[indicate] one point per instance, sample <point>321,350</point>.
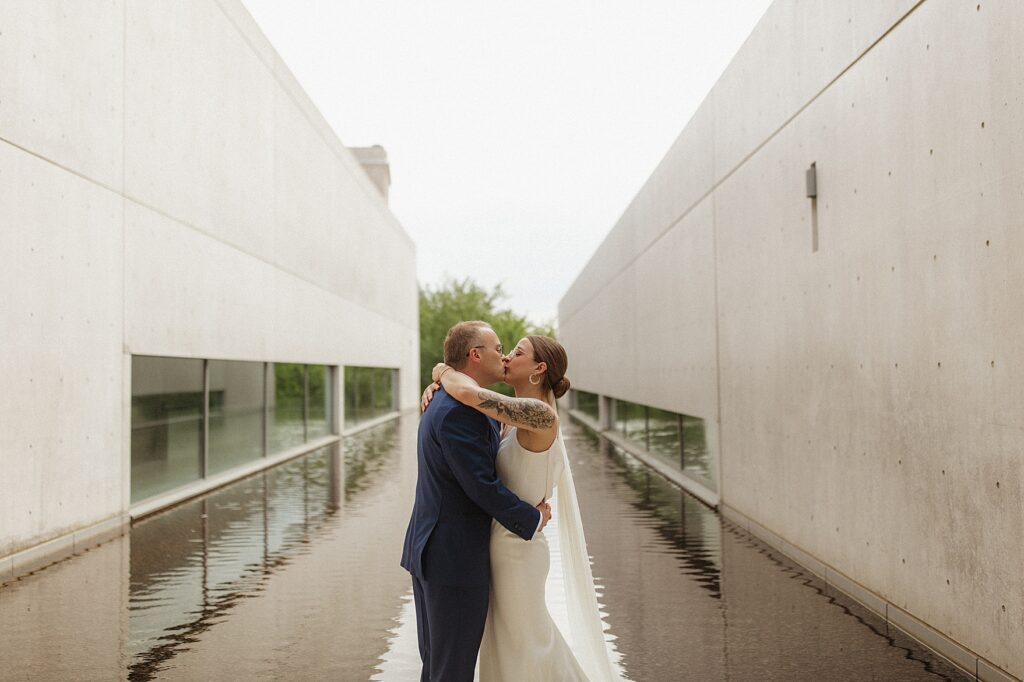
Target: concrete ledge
<point>989,673</point>
<point>99,533</point>
<point>858,592</point>
<point>734,517</point>
<point>44,554</point>
<point>942,645</point>
<point>60,548</point>
<point>586,420</point>
<point>67,545</point>
<point>695,488</point>
<point>933,639</point>
<point>363,426</point>
<point>200,487</point>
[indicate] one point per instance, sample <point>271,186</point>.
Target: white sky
<point>517,132</point>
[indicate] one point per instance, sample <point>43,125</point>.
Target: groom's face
<point>492,367</point>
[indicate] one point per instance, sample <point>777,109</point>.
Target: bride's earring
<point>535,383</point>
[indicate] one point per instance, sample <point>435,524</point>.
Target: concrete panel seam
<point>354,301</point>
<point>184,223</point>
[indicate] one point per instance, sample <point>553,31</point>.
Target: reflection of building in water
<point>201,279</point>
<point>807,315</point>
<point>227,558</point>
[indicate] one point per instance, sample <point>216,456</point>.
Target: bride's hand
<point>428,395</point>
<point>545,514</point>
<point>435,374</point>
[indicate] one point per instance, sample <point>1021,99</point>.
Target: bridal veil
<point>586,628</point>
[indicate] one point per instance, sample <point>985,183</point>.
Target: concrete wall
<point>867,395</point>
<point>167,189</point>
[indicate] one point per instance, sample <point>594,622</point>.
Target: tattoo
<point>528,412</point>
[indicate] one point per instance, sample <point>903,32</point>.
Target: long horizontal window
<point>679,440</point>
<point>676,439</point>
<point>193,418</point>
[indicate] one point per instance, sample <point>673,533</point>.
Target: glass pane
<point>383,395</point>
<point>587,404</point>
<point>167,424</point>
<point>369,393</point>
<point>287,396</point>
<point>366,390</point>
<point>350,396</point>
<point>319,424</point>
<point>236,414</point>
<point>630,421</point>
<point>664,429</point>
<point>698,462</point>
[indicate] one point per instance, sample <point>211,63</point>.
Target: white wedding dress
<point>521,641</point>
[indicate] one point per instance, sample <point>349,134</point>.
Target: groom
<point>457,495</point>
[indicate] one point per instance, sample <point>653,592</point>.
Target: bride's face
<point>519,364</point>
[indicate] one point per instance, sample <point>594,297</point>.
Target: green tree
<point>454,301</point>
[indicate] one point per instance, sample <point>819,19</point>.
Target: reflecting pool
<point>293,574</point>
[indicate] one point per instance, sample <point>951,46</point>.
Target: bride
<point>521,641</point>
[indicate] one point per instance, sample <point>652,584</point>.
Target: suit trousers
<point>449,625</point>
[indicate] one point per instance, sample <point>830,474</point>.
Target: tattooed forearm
<point>528,412</point>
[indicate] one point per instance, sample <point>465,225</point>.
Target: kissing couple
<point>487,466</point>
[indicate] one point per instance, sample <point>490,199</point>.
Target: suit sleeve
<point>470,461</point>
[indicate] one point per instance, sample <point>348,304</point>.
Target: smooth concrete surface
<point>867,394</point>
<point>60,443</point>
<point>167,189</point>
<point>61,93</point>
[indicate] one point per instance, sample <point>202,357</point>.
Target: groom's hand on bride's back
<point>545,514</point>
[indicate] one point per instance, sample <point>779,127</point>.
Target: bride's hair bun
<point>562,387</point>
<point>549,351</point>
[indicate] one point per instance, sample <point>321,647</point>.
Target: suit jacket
<point>457,495</point>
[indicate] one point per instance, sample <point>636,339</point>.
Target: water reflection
<point>687,529</point>
<point>693,597</point>
<point>193,566</point>
<point>293,574</point>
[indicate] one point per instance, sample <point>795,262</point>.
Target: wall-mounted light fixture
<point>811,179</point>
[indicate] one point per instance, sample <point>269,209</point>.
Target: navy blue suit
<point>448,540</point>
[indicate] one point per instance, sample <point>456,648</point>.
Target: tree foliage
<point>454,301</point>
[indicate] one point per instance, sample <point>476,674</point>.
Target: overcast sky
<point>517,132</point>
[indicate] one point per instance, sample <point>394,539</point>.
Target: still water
<point>293,574</point>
